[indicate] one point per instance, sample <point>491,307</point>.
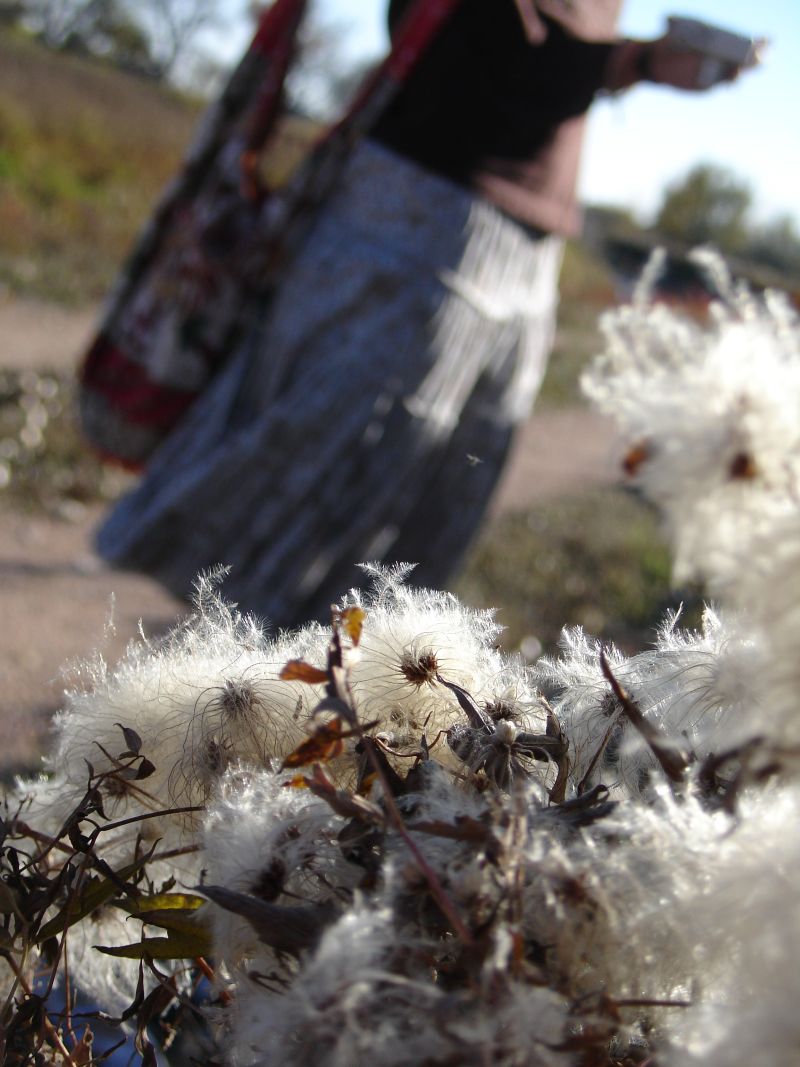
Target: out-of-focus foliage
<point>712,205</point>
<point>84,152</point>
<point>776,244</point>
<point>149,37</point>
<point>708,206</point>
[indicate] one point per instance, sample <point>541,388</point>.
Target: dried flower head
<point>419,668</point>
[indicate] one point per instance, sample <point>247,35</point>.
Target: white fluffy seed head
<point>709,418</point>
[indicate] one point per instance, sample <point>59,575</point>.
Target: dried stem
<point>672,762</point>
<point>52,1032</point>
<point>438,891</point>
<point>338,688</point>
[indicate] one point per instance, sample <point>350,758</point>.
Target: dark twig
<point>672,761</point>
<point>338,688</point>
<point>584,782</point>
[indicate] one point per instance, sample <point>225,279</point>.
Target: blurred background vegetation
<point>92,127</point>
<point>84,150</point>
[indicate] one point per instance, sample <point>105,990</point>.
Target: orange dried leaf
<point>353,623</point>
<point>298,782</point>
<point>323,745</point>
<point>635,457</point>
<point>366,783</point>
<point>297,670</point>
<point>518,951</point>
<point>743,467</point>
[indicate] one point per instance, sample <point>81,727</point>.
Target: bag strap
<point>272,46</point>
<point>275,42</point>
<point>316,177</point>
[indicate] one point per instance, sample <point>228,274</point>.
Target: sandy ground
<point>57,598</point>
<point>43,335</point>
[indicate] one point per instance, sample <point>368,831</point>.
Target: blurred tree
<point>105,28</point>
<point>11,11</point>
<point>173,26</point>
<point>324,74</point>
<point>776,244</point>
<point>709,205</point>
<point>150,36</point>
<point>604,221</point>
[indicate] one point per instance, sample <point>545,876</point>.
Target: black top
<point>482,91</point>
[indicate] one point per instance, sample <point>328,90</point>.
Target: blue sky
<point>643,139</point>
<point>649,136</point>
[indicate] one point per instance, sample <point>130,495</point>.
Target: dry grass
<point>586,290</point>
<point>541,572</point>
<point>84,151</point>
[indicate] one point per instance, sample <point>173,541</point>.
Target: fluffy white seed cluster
<point>709,415</point>
<point>208,700</point>
<point>695,687</point>
<point>609,877</point>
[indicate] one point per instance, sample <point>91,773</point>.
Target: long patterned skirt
<point>369,413</point>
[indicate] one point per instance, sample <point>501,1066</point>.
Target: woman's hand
<point>663,62</point>
<point>683,68</point>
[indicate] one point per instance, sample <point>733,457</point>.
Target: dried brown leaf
<point>348,805</point>
<point>297,670</point>
<point>635,457</point>
<point>323,745</point>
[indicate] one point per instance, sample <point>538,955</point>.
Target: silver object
<point>722,49</point>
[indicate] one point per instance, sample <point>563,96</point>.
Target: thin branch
<point>437,889</point>
<point>584,782</point>
<point>672,761</point>
<point>147,815</point>
<point>339,678</point>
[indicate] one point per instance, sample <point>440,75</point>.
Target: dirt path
<point>56,595</point>
<point>58,599</point>
<point>558,453</point>
<point>36,335</point>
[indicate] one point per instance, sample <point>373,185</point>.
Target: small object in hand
<point>725,51</point>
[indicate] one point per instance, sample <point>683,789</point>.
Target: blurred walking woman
<point>369,416</point>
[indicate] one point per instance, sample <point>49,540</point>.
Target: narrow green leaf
<point>93,896</point>
<point>181,922</point>
<point>163,902</point>
<point>177,946</point>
